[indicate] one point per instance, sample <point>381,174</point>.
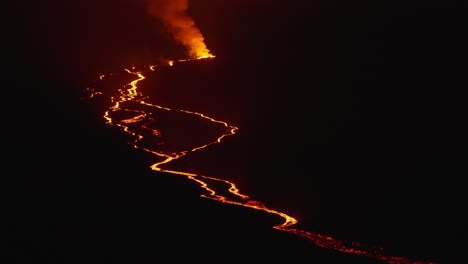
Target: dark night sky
<point>378,85</point>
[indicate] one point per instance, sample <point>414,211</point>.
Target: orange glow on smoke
<point>130,112</point>
<point>174,15</point>
<point>132,102</point>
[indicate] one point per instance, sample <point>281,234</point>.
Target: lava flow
<point>136,117</point>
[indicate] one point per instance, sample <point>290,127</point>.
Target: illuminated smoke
<point>174,15</point>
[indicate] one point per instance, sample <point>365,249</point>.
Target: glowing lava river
<point>141,121</point>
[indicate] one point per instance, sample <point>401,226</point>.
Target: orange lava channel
<point>130,94</point>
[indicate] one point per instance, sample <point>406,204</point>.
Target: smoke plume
<point>173,14</point>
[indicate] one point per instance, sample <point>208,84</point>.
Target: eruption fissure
<point>130,111</point>
<point>131,102</point>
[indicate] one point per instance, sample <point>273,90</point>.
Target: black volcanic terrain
<point>349,119</point>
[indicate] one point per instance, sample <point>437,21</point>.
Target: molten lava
<point>130,111</point>
<point>134,116</point>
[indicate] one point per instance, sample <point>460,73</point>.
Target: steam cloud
<point>173,14</point>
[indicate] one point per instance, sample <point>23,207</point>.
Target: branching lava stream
<point>130,112</point>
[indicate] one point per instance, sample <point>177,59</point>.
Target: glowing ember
<point>138,121</point>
